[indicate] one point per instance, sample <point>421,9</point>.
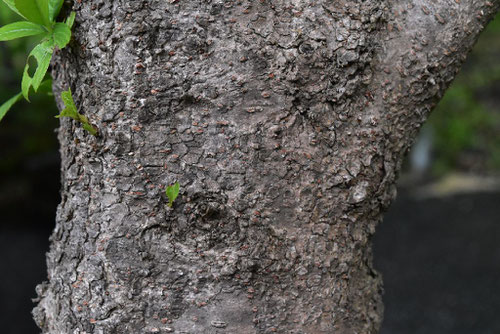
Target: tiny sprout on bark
<point>172,193</point>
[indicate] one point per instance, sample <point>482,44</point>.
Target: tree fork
<point>285,123</point>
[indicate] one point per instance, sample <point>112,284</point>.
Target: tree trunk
<point>285,122</point>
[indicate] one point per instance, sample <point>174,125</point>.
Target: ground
<point>439,258</point>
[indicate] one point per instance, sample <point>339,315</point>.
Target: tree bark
<point>285,123</point>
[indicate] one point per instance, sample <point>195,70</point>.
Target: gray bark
<point>285,123</point>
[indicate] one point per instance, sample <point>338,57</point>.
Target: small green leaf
<point>67,112</point>
<point>71,19</point>
<point>67,98</point>
<point>36,11</point>
<point>70,108</point>
<point>43,54</point>
<point>71,111</point>
<point>172,192</point>
<point>4,108</point>
<point>26,84</point>
<point>20,29</point>
<point>54,8</point>
<point>12,6</point>
<point>61,34</point>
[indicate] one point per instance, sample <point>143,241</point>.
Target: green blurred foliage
<point>466,123</point>
<point>28,129</point>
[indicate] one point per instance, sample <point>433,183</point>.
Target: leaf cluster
<point>40,20</point>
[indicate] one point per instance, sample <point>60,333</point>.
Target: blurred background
<point>438,247</point>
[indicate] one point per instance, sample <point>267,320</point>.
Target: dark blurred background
<point>29,188</point>
<point>438,247</point>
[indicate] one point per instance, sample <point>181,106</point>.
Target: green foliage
<point>461,127</point>
<point>172,193</point>
<point>45,87</point>
<point>55,8</point>
<point>71,112</point>
<point>7,105</point>
<point>40,20</point>
<point>20,29</point>
<point>70,20</point>
<point>43,54</point>
<point>36,11</point>
<point>12,6</point>
<point>62,34</point>
<point>25,133</point>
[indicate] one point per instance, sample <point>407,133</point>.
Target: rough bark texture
<point>285,123</point>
